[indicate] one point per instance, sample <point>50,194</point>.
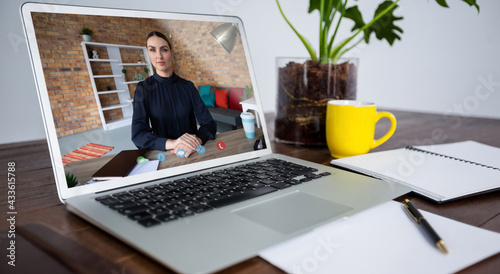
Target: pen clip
<point>407,209</point>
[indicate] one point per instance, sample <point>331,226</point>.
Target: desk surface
<point>37,201</point>
<point>235,142</point>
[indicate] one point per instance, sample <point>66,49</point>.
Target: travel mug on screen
<point>248,119</point>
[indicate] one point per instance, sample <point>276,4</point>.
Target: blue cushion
<point>208,99</point>
<point>204,90</point>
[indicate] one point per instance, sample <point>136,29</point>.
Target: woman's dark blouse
<point>172,105</point>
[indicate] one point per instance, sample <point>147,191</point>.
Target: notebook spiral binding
<point>450,157</point>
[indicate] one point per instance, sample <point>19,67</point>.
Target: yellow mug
<point>350,127</point>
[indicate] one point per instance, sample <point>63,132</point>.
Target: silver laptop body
<point>218,238</point>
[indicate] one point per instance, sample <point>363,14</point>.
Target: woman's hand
<point>187,142</point>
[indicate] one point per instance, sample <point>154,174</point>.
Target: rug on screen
<point>86,152</point>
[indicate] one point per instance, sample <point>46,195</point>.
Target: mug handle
<point>391,131</point>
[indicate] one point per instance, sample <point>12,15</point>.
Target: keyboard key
<point>262,176</point>
<point>140,193</point>
<point>306,179</point>
<point>256,185</point>
<point>244,188</point>
<point>268,181</point>
<point>125,197</point>
<point>155,204</point>
<point>107,200</point>
<point>190,203</point>
<point>207,199</point>
<point>133,210</point>
<point>159,210</point>
<point>294,182</point>
<point>123,205</point>
<point>155,189</point>
<point>172,201</point>
<point>143,200</point>
<point>120,193</point>
<point>281,185</point>
<point>169,185</point>
<point>140,216</point>
<point>149,222</point>
<point>312,176</point>
<point>200,208</point>
<point>175,207</point>
<point>183,213</point>
<point>273,174</point>
<point>166,217</point>
<point>187,197</point>
<point>161,196</point>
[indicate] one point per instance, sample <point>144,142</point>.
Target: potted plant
<point>306,85</point>
<point>71,180</point>
<point>86,33</point>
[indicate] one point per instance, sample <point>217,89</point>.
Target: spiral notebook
<point>440,172</point>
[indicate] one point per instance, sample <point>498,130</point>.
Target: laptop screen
<point>109,107</point>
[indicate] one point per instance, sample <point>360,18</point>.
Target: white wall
<point>448,59</point>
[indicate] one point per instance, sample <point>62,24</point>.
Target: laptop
<point>199,214</point>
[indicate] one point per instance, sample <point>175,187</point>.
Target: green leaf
<point>354,14</point>
<point>327,10</point>
<point>329,7</point>
<point>384,28</point>
<point>442,3</point>
<point>382,24</point>
<point>304,40</point>
<point>71,180</point>
<point>470,2</point>
<point>337,50</point>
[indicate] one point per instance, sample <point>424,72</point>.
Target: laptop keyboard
<point>164,202</point>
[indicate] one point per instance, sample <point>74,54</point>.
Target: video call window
<point>91,85</point>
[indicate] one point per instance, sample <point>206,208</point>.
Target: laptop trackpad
<point>292,212</point>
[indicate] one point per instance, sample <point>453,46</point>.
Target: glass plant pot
<point>304,89</point>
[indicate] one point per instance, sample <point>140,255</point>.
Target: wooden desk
<point>235,142</point>
<point>36,198</point>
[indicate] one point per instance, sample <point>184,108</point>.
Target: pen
<point>420,220</point>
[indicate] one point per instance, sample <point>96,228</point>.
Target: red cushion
<point>235,96</point>
<point>221,98</point>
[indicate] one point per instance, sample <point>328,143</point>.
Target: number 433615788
<point>11,180</point>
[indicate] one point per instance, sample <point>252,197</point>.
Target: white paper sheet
<point>437,177</point>
<point>148,166</point>
<point>384,239</point>
<point>468,150</point>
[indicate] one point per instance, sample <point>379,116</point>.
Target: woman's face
<point>160,55</point>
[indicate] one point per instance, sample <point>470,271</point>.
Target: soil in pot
<point>304,90</point>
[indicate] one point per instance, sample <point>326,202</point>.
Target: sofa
<point>223,104</point>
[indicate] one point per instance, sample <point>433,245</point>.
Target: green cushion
<point>209,99</point>
<point>204,90</point>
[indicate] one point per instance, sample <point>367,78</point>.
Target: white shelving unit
<point>122,89</point>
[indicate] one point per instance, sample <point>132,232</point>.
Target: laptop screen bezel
<point>55,152</point>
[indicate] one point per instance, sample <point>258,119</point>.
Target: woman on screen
<point>167,107</point>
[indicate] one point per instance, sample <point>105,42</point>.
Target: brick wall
<point>201,59</point>
<point>198,57</point>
